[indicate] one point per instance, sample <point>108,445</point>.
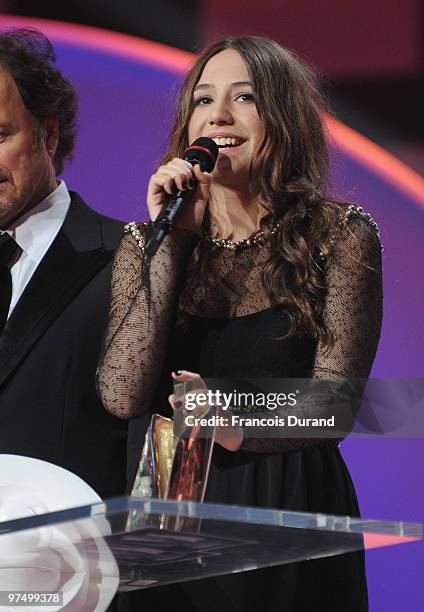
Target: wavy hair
<point>289,176</point>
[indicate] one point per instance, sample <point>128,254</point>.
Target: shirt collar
<point>41,223</point>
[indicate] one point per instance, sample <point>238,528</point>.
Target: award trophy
<point>175,460</point>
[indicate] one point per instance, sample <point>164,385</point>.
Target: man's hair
<point>28,56</point>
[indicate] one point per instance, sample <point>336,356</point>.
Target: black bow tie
<point>8,248</point>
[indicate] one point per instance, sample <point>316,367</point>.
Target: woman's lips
<point>227,149</point>
<point>223,140</point>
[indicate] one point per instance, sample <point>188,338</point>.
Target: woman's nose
<point>220,114</point>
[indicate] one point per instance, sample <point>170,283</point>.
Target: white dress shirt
<point>34,232</point>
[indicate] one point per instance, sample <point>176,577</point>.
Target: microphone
<point>203,151</point>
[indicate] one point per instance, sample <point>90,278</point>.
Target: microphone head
<point>203,151</point>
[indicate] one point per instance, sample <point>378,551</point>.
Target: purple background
<point>125,110</point>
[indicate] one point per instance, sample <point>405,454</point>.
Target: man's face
<point>26,155</point>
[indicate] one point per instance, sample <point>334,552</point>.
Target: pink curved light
<point>106,41</point>
<point>369,154</point>
<point>377,159</point>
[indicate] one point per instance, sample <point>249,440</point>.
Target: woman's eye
<point>202,101</point>
<point>246,97</point>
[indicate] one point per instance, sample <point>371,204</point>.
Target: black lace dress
<point>234,331</point>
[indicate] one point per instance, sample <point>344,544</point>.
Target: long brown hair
<point>288,176</point>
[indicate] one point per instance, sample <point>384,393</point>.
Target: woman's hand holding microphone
<point>178,173</point>
<point>190,177</point>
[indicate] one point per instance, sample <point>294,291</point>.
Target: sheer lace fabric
<point>138,329</point>
<point>138,332</point>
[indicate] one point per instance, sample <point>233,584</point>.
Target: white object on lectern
<point>49,558</point>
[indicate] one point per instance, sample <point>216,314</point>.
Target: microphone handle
<point>167,218</point>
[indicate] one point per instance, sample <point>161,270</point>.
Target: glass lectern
<point>86,554</point>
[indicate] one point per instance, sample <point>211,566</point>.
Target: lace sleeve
<point>353,313</point>
<point>138,329</point>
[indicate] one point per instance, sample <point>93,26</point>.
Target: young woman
<point>263,277</point>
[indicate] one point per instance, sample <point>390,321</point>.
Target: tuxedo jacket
<point>49,353</point>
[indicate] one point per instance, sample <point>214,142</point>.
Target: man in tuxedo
<point>55,264</point>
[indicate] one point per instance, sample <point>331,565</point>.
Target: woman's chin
<point>229,172</point>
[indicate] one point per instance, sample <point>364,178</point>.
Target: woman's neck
<point>235,215</point>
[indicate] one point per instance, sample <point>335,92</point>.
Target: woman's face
<point>225,110</point>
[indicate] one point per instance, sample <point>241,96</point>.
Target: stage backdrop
<point>126,88</point>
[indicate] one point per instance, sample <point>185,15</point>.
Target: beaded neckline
<point>256,240</point>
<point>259,238</point>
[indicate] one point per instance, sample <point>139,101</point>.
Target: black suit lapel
<point>73,259</point>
